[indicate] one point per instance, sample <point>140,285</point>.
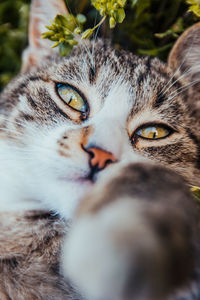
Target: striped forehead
<point>107,68</point>
<point>109,74</point>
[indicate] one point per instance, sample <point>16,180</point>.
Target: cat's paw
<point>113,254</point>
<point>132,239</point>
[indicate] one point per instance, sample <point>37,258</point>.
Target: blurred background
<point>150,28</point>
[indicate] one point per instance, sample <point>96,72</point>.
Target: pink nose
<point>100,157</point>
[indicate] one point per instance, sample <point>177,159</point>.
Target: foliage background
<point>150,27</point>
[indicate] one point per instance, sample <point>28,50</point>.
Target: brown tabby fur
<point>29,257</point>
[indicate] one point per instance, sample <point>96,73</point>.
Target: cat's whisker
<point>34,149</point>
<point>186,85</point>
<point>178,69</point>
<point>90,57</point>
<point>28,151</point>
<point>167,87</point>
<point>23,124</point>
<point>14,159</point>
<point>11,131</point>
<point>185,74</point>
<point>183,89</point>
<point>14,122</point>
<point>94,42</point>
<point>15,132</point>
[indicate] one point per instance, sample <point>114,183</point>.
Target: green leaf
<point>72,42</point>
<point>87,33</point>
<point>120,15</point>
<point>196,192</point>
<point>134,3</point>
<point>122,3</point>
<point>155,51</point>
<point>64,49</point>
<point>47,34</point>
<point>55,45</point>
<point>61,20</point>
<point>141,6</point>
<point>49,27</point>
<point>194,6</point>
<point>63,31</point>
<point>112,22</point>
<point>81,18</point>
<point>111,8</point>
<point>173,30</point>
<point>169,32</point>
<point>77,30</point>
<point>195,9</point>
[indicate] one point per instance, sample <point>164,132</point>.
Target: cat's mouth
<point>93,173</point>
<point>89,178</point>
<point>80,180</point>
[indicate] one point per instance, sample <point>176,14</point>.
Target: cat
<point>114,139</point>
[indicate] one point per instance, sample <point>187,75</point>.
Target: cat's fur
<point>46,165</point>
<point>29,253</point>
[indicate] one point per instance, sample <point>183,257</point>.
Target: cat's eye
<point>153,132</point>
<point>71,97</point>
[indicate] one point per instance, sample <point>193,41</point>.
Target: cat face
<point>67,121</point>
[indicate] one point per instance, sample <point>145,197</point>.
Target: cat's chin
<point>63,194</point>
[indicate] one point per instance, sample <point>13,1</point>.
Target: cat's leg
<point>133,237</point>
<point>29,255</point>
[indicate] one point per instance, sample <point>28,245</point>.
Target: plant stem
<point>102,20</point>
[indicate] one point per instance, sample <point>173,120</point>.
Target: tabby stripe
<point>197,144</point>
<point>31,101</point>
<point>171,153</point>
<point>42,216</point>
<point>19,90</point>
<point>143,76</point>
<point>11,262</point>
<point>160,99</point>
<point>26,117</point>
<point>92,75</point>
<point>148,64</point>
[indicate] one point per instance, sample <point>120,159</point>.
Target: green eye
<point>71,97</point>
<point>153,132</point>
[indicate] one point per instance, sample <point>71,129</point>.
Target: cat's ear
<point>42,11</point>
<point>184,57</point>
